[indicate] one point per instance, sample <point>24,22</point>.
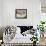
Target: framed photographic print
<point>21,13</point>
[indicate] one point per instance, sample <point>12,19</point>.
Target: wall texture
<point>8,12</point>
<point>0,12</point>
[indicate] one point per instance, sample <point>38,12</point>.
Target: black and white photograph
<point>21,13</point>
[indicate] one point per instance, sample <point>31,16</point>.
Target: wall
<point>36,7</point>
<point>33,12</point>
<point>1,12</point>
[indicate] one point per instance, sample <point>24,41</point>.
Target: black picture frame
<point>21,13</point>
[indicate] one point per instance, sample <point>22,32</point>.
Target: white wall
<point>33,12</point>
<point>0,12</point>
<point>36,7</point>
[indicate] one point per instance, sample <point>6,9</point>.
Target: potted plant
<point>34,39</point>
<point>41,27</point>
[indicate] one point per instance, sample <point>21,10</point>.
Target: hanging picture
<point>21,13</point>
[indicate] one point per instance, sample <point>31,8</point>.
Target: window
<point>43,6</point>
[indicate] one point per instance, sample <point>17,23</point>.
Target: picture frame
<point>21,13</point>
